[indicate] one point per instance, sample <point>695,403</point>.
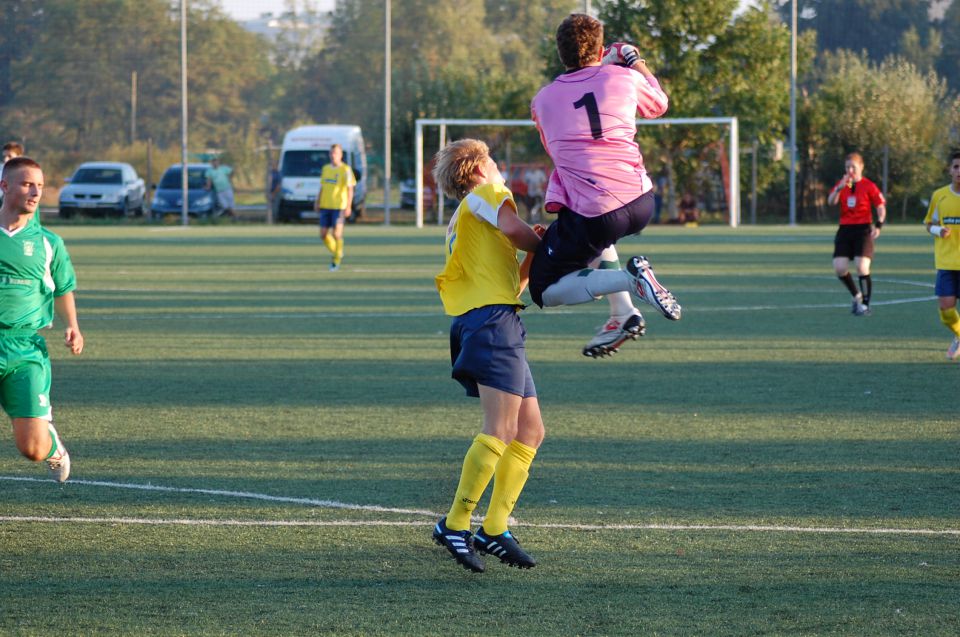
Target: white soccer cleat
<point>59,462</point>
<point>614,333</point>
<point>857,305</point>
<point>953,352</point>
<point>649,290</point>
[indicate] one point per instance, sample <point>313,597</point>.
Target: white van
<point>304,152</point>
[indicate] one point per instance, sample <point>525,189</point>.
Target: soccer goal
<point>727,170</point>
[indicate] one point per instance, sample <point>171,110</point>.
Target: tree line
<point>878,76</point>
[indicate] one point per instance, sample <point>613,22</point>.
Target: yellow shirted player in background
<point>480,287</point>
<point>334,203</point>
<point>943,222</point>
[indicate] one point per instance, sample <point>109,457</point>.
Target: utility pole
<point>184,190</point>
<point>133,107</point>
<point>386,114</point>
<point>793,112</point>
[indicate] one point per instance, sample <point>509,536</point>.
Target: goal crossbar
<point>733,151</point>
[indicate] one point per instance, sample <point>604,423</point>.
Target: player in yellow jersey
<point>480,287</point>
<point>337,182</point>
<point>943,222</point>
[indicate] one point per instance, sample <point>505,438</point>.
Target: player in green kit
<point>36,282</point>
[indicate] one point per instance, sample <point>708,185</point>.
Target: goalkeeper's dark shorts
<point>573,241</point>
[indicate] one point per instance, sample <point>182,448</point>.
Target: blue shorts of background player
<point>487,348</point>
<point>948,283</point>
<point>330,218</point>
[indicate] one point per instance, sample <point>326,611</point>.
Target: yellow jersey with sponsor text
<point>481,263</point>
<point>944,211</point>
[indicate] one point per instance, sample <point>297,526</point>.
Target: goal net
<point>697,175</point>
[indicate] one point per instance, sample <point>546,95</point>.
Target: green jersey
<point>220,178</point>
<point>34,268</point>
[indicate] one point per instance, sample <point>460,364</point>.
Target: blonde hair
<point>455,166</point>
<point>856,158</point>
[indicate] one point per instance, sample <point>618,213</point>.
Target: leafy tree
<point>874,26</point>
<point>711,63</point>
<point>477,58</point>
<point>921,55</point>
<point>19,21</point>
<point>869,108</point>
<point>949,63</point>
<point>71,90</point>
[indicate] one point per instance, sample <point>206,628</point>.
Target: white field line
<point>259,315</point>
<point>557,310</point>
<point>327,504</point>
<point>362,315</point>
<point>761,528</point>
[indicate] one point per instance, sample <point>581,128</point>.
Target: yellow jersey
<point>481,263</point>
<point>945,211</point>
<point>334,184</point>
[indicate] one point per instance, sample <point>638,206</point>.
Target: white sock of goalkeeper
<point>586,285</point>
<point>620,302</point>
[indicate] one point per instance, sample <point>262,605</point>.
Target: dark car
<point>168,198</point>
<point>408,196</point>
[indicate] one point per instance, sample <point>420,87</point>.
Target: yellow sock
<point>338,251</point>
<point>478,467</point>
<point>951,319</point>
<point>331,244</point>
<point>511,476</point>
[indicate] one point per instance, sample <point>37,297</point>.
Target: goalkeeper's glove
<point>621,53</point>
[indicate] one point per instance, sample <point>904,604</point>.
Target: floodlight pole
<point>133,107</point>
<point>793,112</point>
<point>386,113</point>
<point>184,190</point>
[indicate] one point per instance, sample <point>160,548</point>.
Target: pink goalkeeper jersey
<point>587,122</point>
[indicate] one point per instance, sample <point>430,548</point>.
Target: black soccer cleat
<point>504,546</point>
<point>459,544</point>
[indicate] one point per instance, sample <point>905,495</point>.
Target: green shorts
<point>24,375</point>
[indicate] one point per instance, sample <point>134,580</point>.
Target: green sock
<point>53,442</point>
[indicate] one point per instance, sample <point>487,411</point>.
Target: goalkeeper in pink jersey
<point>599,188</point>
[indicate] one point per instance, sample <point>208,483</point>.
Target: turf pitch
<point>260,447</point>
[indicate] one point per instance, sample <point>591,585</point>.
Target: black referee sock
<point>847,280</point>
<point>866,288</point>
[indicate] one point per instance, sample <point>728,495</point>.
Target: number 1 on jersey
<point>589,102</point>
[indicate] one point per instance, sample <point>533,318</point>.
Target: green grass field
<point>769,465</point>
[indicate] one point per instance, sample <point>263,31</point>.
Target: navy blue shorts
<point>487,348</point>
<point>948,283</point>
<point>573,241</point>
<point>329,217</point>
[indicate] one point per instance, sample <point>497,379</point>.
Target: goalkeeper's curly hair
<point>455,164</point>
<point>579,37</point>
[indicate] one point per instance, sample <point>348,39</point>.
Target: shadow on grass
<point>586,480</point>
<point>777,389</point>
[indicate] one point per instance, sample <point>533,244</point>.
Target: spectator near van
<point>303,155</point>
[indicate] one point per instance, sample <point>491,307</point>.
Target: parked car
<point>168,197</point>
<point>100,187</point>
<point>408,196</point>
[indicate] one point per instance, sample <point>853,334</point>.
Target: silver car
<point>103,188</point>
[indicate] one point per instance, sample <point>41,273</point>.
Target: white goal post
<point>733,149</point>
